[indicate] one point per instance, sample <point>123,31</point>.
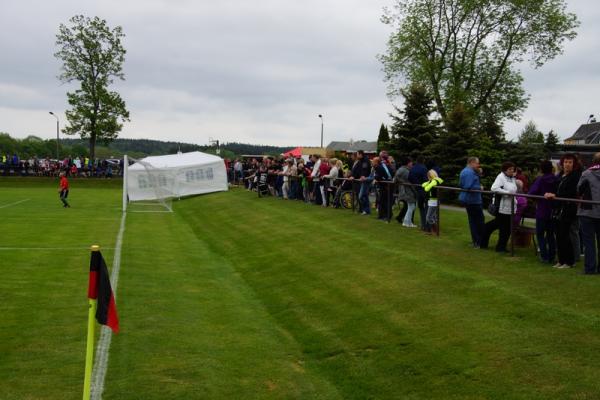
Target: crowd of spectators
<point>564,229</point>
<point>13,165</point>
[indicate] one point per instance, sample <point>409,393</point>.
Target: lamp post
<point>321,116</point>
<point>57,129</point>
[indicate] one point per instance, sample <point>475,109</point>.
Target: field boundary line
<point>101,361</point>
<point>51,248</point>
<point>15,203</point>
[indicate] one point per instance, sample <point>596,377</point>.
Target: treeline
<point>34,146</point>
<point>417,132</point>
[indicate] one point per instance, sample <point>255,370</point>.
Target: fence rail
<point>392,195</point>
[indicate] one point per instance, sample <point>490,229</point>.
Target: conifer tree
<point>414,131</point>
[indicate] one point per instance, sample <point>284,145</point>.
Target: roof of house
<point>338,146</point>
<point>586,131</point>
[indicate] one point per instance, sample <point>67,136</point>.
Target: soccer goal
<point>147,188</point>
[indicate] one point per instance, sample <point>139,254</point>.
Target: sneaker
<point>565,266</point>
<point>557,265</point>
<point>363,213</point>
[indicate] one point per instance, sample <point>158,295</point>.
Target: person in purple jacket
<point>544,226</point>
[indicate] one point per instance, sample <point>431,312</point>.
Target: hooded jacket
<point>589,189</point>
<point>547,183</point>
<point>405,192</point>
<point>505,184</point>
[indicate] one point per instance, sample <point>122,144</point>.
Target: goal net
<point>154,188</point>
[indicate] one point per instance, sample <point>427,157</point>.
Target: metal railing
<point>391,192</point>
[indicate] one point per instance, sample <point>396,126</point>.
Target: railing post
<point>439,216</point>
<point>512,231</point>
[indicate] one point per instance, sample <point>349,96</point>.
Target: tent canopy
<point>178,160</point>
<point>297,152</point>
<point>176,175</point>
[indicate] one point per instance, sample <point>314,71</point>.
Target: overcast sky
<point>255,71</point>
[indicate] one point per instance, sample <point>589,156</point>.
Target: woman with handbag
<point>504,184</point>
<point>564,214</point>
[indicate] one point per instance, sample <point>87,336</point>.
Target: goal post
<point>146,186</point>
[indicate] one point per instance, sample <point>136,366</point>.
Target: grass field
<point>232,297</point>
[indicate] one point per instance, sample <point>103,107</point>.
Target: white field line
<point>50,248</point>
<point>146,211</point>
<point>15,203</point>
<point>101,361</point>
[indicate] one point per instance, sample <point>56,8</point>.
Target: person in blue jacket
<point>469,180</point>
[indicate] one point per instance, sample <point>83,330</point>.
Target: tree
<point>383,139</point>
<point>531,134</point>
<point>551,143</point>
<point>414,130</point>
<point>452,148</point>
<point>93,55</point>
<point>466,51</point>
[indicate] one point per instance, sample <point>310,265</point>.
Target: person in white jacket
<point>332,176</point>
<point>505,183</point>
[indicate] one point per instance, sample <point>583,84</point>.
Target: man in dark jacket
<point>469,180</point>
<point>418,175</point>
<point>383,176</point>
<point>589,215</point>
<point>361,171</point>
<point>544,226</point>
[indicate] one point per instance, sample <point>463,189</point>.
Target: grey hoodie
<point>589,189</point>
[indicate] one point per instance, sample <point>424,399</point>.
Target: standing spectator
<point>331,177</point>
<point>544,226</point>
<point>469,180</point>
<point>383,176</point>
<point>504,184</point>
<point>406,194</point>
<point>363,171</point>
<point>589,215</point>
<point>314,175</point>
<point>565,213</point>
<point>64,189</point>
<point>238,171</point>
<point>324,169</point>
<point>288,170</point>
<point>418,176</point>
<point>520,203</point>
<point>431,218</point>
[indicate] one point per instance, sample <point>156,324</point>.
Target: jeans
<point>591,236</point>
<point>409,213</point>
<point>363,197</point>
<point>476,222</point>
<point>544,231</point>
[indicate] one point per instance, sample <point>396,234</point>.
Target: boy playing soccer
<point>64,189</point>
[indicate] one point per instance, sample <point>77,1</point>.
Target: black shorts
<point>64,194</point>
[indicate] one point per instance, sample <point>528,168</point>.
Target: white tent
<point>175,175</point>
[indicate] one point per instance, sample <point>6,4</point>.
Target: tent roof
<point>297,152</point>
<point>179,160</point>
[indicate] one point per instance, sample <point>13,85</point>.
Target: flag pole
<point>89,353</point>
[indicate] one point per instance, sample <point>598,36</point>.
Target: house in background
<point>586,134</point>
<point>348,148</point>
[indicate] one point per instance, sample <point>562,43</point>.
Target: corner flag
<point>99,288</point>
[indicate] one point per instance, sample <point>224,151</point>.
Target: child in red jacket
<point>64,189</point>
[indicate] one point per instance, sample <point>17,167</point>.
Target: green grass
<point>232,296</point>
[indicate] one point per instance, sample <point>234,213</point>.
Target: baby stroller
<point>262,187</point>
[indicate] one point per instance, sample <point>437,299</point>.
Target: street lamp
<point>57,129</point>
<point>321,116</point>
<point>591,119</point>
